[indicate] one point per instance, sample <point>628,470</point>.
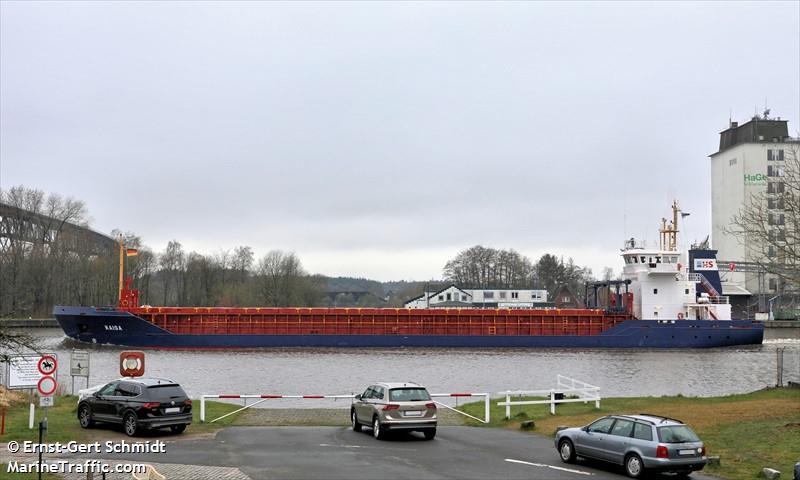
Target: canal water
<point>706,372</point>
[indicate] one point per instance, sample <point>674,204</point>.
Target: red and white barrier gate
<point>261,399</point>
<point>486,402</point>
<point>264,398</point>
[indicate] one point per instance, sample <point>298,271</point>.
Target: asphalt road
<point>340,453</point>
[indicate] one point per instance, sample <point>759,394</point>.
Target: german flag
<point>131,252</point>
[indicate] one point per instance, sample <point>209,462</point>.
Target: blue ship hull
<point>115,327</point>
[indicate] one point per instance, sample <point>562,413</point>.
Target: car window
<point>366,393</point>
<point>601,426</point>
<point>623,428</point>
<point>414,394</point>
<point>677,434</point>
<point>125,389</point>
<point>165,393</point>
<point>109,389</point>
<point>643,432</point>
<point>379,393</point>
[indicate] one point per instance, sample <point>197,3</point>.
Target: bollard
<point>714,460</point>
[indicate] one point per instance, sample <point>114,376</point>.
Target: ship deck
<point>385,321</point>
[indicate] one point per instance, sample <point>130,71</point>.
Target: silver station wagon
<point>394,406</point>
<point>638,442</point>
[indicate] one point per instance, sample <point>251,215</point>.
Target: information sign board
<point>22,371</point>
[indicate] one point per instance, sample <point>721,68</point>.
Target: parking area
<point>340,453</point>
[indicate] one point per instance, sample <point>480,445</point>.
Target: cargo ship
<point>665,299</point>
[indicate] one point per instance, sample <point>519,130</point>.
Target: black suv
<point>138,403</point>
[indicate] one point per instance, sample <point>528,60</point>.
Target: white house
<point>454,297</point>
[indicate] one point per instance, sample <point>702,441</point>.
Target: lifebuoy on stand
<point>680,316</point>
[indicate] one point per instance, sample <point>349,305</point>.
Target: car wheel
<point>377,430</point>
<point>566,450</point>
<point>177,428</point>
<point>354,421</point>
<point>85,417</point>
<point>634,466</point>
<point>429,433</point>
<point>130,425</point>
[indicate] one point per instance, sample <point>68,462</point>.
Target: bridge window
<point>655,291</point>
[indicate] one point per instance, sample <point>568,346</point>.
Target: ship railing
<point>266,397</point>
<point>719,300</point>
<point>568,390</point>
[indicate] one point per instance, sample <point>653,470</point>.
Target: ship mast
<point>669,234</point>
<point>121,264</point>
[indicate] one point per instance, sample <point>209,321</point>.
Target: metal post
<point>30,417</point>
<point>779,353</point>
<point>508,405</point>
<point>552,402</point>
<point>42,428</point>
<point>202,409</point>
<point>486,407</point>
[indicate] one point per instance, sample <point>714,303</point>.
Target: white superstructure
<point>662,286</point>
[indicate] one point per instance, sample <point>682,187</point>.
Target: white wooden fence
<point>569,390</point>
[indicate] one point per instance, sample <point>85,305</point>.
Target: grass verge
<point>63,421</point>
<point>749,432</point>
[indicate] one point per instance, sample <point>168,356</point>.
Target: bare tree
<point>769,223</point>
<point>172,268</point>
<point>482,267</point>
<point>283,283</point>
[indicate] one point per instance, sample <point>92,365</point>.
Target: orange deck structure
<point>384,321</point>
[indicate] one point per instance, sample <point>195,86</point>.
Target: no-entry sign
<point>47,386</point>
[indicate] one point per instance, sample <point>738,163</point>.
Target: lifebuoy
<point>680,316</point>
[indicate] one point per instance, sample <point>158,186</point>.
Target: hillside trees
<point>44,259</point>
<point>483,267</point>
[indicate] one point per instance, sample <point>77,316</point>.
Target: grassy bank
<point>63,422</point>
<point>748,431</point>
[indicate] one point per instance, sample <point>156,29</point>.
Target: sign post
<point>47,385</point>
<point>23,372</point>
<point>79,366</point>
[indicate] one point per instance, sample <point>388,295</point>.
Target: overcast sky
<point>379,139</point>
